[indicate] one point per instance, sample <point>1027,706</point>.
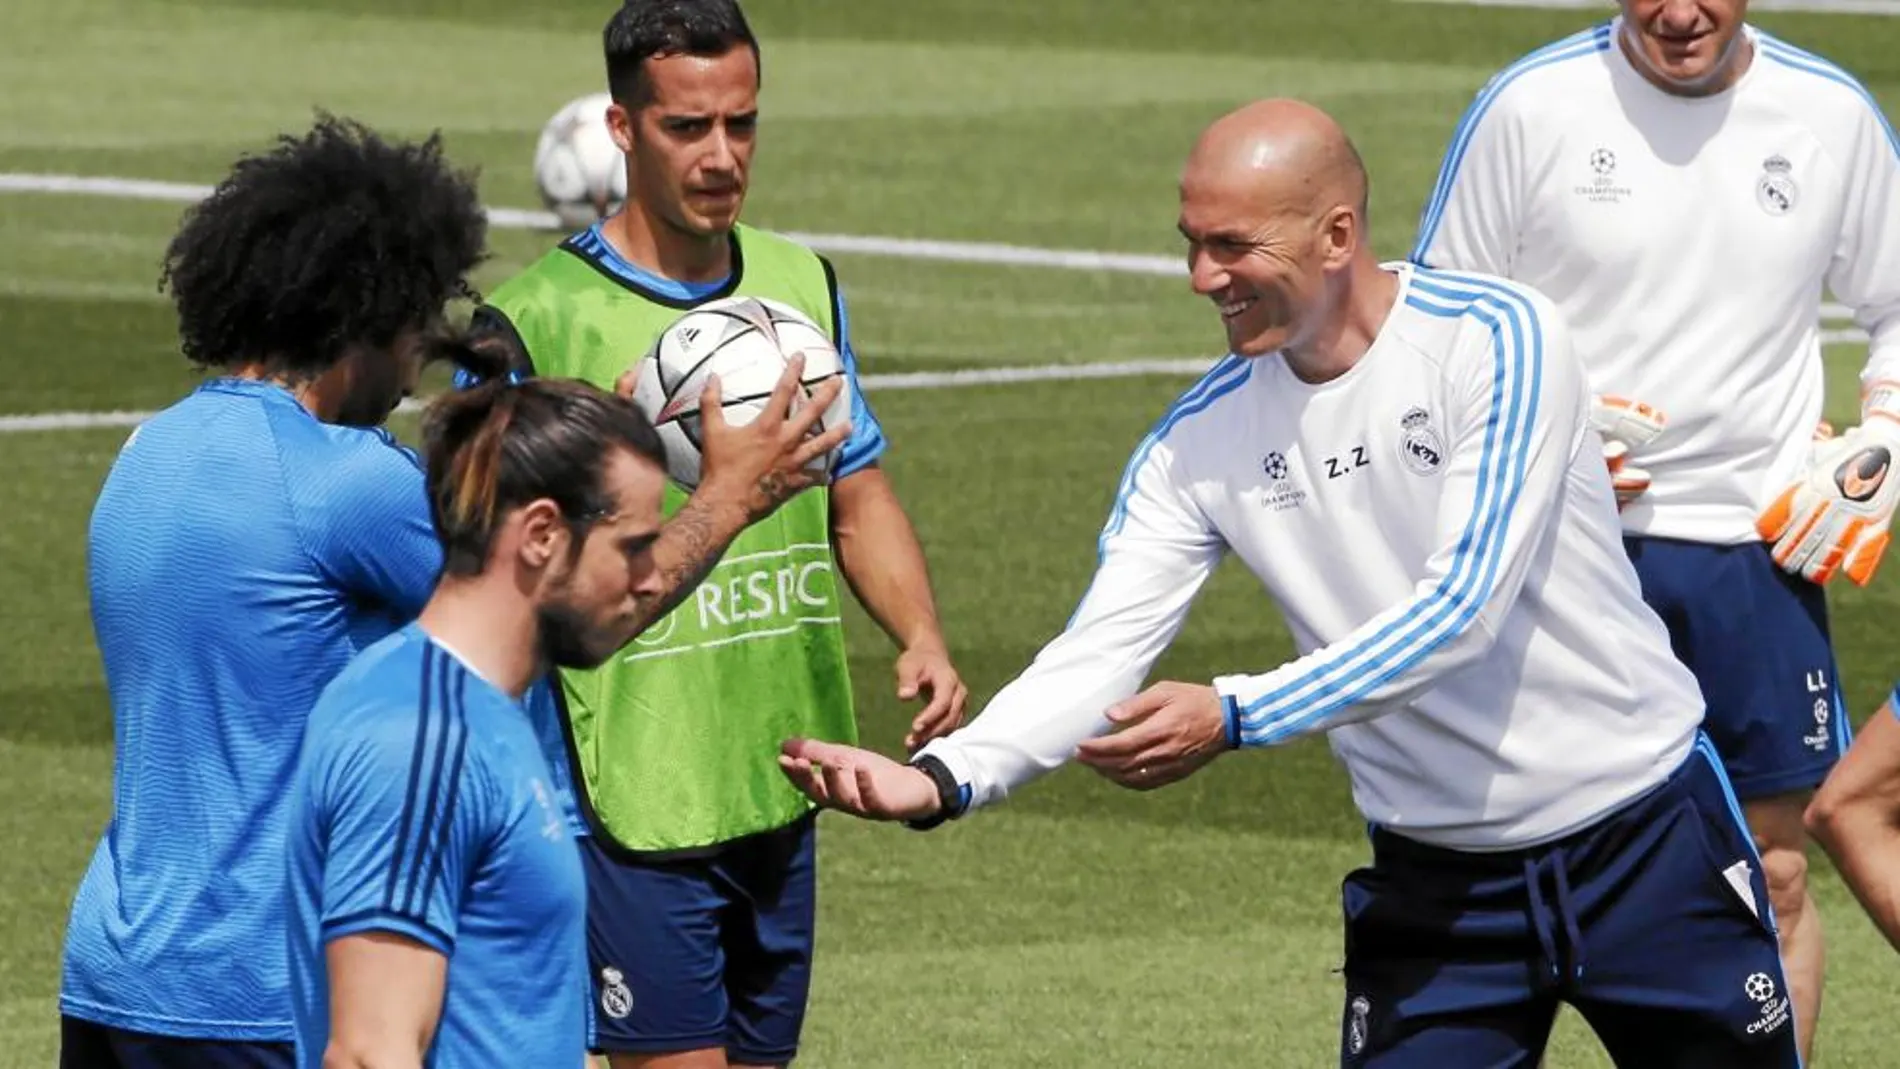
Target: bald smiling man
<point>1404,459</point>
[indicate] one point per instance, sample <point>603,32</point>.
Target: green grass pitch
<point>1076,926</point>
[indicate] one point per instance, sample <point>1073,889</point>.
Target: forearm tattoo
<point>691,547</point>
<point>772,488</point>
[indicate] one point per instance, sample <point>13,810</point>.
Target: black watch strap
<point>949,793</point>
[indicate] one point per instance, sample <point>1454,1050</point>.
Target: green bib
<point>674,742</point>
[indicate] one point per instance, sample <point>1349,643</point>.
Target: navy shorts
<point>1757,640</point>
<point>705,952</point>
<point>85,1045</point>
<point>1654,923</point>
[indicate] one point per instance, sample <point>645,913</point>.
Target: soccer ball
<point>581,173</point>
<point>746,342</point>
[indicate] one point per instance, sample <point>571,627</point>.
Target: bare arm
<point>690,544</point>
<point>385,1001</point>
<point>883,562</point>
<point>1856,818</point>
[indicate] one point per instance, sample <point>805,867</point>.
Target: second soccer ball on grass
<point>578,170</point>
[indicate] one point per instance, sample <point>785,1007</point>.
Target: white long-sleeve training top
<point>1438,530</point>
<point>1688,241</point>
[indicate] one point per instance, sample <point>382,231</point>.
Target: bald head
<point>1283,155</point>
<point>1273,207</point>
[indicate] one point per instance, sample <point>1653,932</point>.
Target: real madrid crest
<point>615,1000</point>
<point>1358,1030</point>
<point>1420,447</point>
<point>1775,191</point>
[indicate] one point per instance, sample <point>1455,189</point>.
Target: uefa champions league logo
<point>1602,187</point>
<point>1281,493</point>
<point>1774,1012</point>
<point>1819,740</point>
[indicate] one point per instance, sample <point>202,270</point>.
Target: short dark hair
<point>643,29</point>
<point>332,240</point>
<point>502,444</point>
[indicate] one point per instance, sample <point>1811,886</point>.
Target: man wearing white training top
<point>1684,187</point>
<point>1403,457</point>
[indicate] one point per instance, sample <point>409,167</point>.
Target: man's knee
<point>1787,875</point>
<point>1780,834</point>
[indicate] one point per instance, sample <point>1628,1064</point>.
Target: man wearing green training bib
<point>700,855</point>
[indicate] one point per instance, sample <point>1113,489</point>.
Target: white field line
<point>523,219</point>
<point>911,380</point>
<point>916,380</point>
<point>963,252</point>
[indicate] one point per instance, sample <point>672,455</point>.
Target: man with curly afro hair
<point>247,542</point>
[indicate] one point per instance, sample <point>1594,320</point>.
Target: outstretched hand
<point>1164,734</point>
<point>858,782</point>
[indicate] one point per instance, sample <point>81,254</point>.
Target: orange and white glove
<point>1835,518</point>
<point>1625,427</point>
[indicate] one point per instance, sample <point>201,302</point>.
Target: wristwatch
<point>952,800</point>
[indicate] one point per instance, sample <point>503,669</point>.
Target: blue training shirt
<point>422,806</point>
<point>240,553</point>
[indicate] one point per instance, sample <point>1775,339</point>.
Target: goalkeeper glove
<point>1625,427</point>
<point>1835,517</point>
